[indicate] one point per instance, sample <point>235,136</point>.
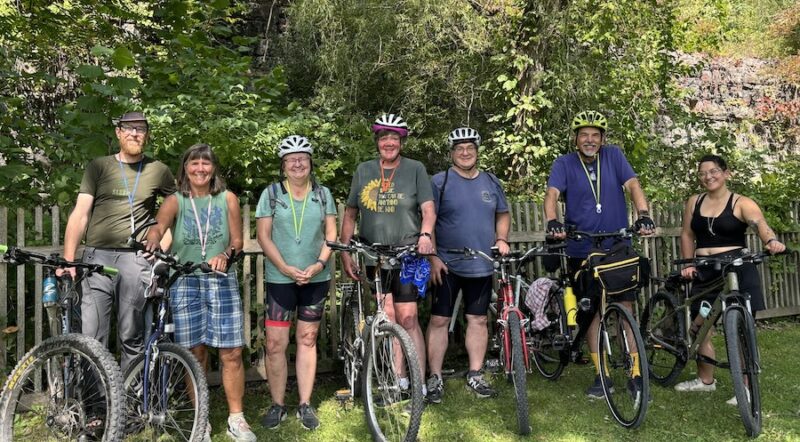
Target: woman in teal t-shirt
<point>294,219</point>
<point>206,225</point>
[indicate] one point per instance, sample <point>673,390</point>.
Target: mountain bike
<point>671,342</point>
<point>508,334</point>
<point>165,387</point>
<point>79,396</point>
<point>393,410</point>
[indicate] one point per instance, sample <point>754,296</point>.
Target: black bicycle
<point>79,396</point>
<point>165,387</point>
<point>671,343</point>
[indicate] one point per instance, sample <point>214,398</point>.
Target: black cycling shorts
<point>477,292</point>
<point>390,283</point>
<point>283,299</point>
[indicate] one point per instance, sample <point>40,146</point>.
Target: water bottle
<point>571,306</point>
<point>49,289</point>
<point>705,309</point>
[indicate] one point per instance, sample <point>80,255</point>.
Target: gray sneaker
<point>308,417</point>
<point>275,415</point>
<point>435,389</point>
<point>595,391</point>
<point>479,386</point>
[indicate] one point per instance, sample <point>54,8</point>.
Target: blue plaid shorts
<point>207,309</point>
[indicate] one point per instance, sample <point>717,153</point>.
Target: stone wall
<point>744,96</point>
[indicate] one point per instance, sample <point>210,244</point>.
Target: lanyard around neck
<point>203,237</point>
<point>131,194</point>
<point>386,184</point>
<point>595,191</point>
<point>298,226</point>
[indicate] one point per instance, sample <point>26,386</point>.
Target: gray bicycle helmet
<point>462,135</point>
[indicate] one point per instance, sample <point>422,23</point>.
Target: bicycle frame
<point>507,304</point>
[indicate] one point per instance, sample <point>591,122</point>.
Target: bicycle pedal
<point>343,395</point>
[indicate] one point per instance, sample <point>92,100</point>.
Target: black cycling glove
<point>644,222</point>
<point>554,226</point>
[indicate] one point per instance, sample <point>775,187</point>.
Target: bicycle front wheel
<point>80,396</point>
<point>176,395</point>
<point>519,374</point>
<point>392,385</point>
<point>550,347</point>
<point>662,330</point>
<point>740,337</point>
<point>625,383</point>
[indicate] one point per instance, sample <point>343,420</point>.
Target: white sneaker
<point>696,385</point>
<point>239,430</point>
<point>734,402</point>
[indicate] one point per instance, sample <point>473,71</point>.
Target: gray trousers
<point>126,290</point>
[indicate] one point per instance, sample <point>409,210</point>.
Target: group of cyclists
<point>391,199</point>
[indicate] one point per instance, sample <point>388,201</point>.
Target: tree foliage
<point>516,70</point>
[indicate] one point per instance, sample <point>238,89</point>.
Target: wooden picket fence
<point>21,318</point>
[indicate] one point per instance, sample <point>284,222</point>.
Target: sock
<point>596,362</point>
<point>232,416</point>
<point>636,370</point>
<point>403,382</point>
<point>424,390</point>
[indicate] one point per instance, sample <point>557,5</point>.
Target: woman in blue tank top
<point>715,223</point>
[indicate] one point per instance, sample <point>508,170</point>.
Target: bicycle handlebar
<point>719,262</point>
<point>16,256</point>
<point>172,260</point>
<point>376,250</point>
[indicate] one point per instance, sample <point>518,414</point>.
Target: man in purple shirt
<point>593,182</point>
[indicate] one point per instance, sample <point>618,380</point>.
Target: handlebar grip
<point>337,246</point>
<point>3,248</point>
<point>110,271</point>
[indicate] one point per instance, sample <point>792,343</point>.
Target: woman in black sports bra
<point>715,223</point>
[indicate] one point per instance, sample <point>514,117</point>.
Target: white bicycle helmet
<point>391,122</point>
<point>464,134</point>
<point>294,144</point>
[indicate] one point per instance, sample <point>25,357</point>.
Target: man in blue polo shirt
<point>471,211</point>
<point>593,181</point>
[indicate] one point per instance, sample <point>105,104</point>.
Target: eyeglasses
<point>711,172</point>
<point>298,160</point>
<point>465,149</point>
<point>129,128</point>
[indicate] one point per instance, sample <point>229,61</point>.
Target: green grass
<point>559,410</point>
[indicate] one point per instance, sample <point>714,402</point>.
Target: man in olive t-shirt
<point>117,194</point>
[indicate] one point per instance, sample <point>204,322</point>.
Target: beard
<point>131,147</point>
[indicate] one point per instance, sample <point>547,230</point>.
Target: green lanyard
<point>298,226</point>
<point>596,192</point>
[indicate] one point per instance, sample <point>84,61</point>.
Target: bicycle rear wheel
<point>352,350</point>
<point>549,346</point>
<point>740,337</point>
<point>625,385</point>
<point>663,332</point>
<point>519,374</point>
<point>177,396</point>
<point>393,409</point>
<point>80,396</point>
